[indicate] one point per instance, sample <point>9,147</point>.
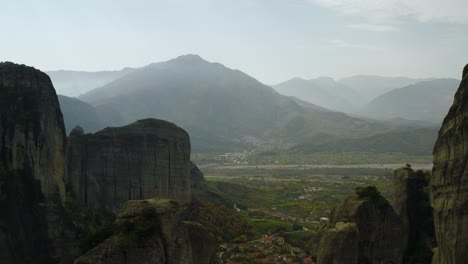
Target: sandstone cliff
<point>449,181</point>
<point>32,128</point>
<point>149,158</point>
<point>377,223</point>
<point>339,244</point>
<point>412,205</point>
<point>32,168</point>
<point>150,231</point>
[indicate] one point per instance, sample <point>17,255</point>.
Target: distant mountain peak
<point>325,78</point>
<point>189,58</point>
<point>296,79</point>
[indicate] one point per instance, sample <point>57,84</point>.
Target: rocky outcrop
<point>32,168</point>
<point>339,244</point>
<point>149,158</point>
<point>412,205</point>
<point>378,225</point>
<point>151,231</point>
<point>449,181</point>
<point>32,129</point>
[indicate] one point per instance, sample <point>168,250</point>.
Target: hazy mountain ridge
<point>371,86</point>
<point>323,91</point>
<point>217,104</point>
<point>78,113</point>
<point>426,101</point>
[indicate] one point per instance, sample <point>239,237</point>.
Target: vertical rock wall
<point>412,205</point>
<point>32,164</point>
<point>32,129</point>
<point>449,182</point>
<point>149,158</point>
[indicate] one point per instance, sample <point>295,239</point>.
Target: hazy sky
<point>272,40</point>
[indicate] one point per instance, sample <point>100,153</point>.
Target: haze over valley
<point>226,110</point>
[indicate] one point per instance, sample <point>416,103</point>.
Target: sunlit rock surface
<point>449,182</point>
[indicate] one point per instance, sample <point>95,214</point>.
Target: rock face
<point>145,159</point>
<point>32,166</point>
<point>149,158</point>
<point>339,245</point>
<point>412,205</point>
<point>449,181</point>
<point>378,225</point>
<point>151,232</point>
<point>32,128</point>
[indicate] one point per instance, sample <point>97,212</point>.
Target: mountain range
<point>221,108</point>
<point>425,101</point>
<point>371,86</point>
<point>323,91</point>
<point>377,97</point>
<point>225,109</point>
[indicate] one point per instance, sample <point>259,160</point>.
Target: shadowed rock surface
<point>32,128</point>
<point>151,231</point>
<point>149,158</point>
<point>449,182</point>
<point>32,169</point>
<point>197,178</point>
<point>412,205</point>
<point>339,245</point>
<point>378,225</point>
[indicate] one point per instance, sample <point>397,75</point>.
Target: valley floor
<point>284,206</point>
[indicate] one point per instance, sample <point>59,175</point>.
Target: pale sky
<point>272,40</point>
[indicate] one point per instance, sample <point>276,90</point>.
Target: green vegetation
<point>220,220</point>
<point>407,142</point>
<point>123,231</point>
<point>304,240</point>
<point>270,227</point>
<point>337,158</point>
<point>95,225</point>
<point>370,193</point>
<point>243,204</point>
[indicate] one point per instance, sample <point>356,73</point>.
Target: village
<point>268,249</point>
